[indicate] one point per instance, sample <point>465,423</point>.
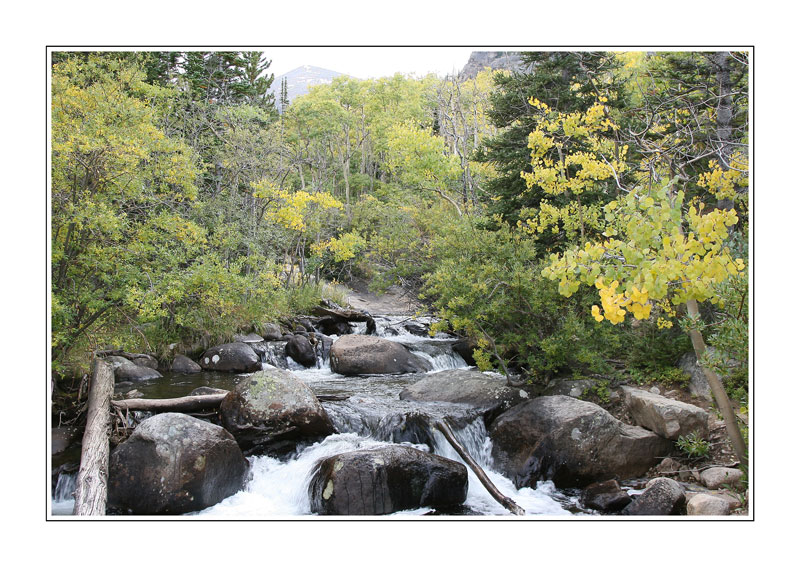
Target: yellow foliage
<point>654,260</point>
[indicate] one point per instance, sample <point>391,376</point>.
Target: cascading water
<point>367,413</point>
<point>63,501</point>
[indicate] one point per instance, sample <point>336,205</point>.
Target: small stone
<point>707,505</point>
<point>667,466</point>
<point>717,476</point>
<point>605,496</point>
<point>661,497</point>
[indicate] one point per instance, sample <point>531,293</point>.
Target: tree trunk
<point>504,501</point>
<point>724,118</point>
<point>92,484</point>
<point>185,404</point>
<point>720,397</point>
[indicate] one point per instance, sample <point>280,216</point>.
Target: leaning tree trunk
<point>92,486</point>
<point>501,498</point>
<point>720,397</point>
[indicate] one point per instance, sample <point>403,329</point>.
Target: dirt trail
<point>395,301</point>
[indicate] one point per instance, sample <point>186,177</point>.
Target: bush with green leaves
<point>488,285</point>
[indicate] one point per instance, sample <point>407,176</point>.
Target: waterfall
<point>544,499</point>
<point>63,501</point>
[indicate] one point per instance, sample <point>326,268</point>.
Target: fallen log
<point>91,486</point>
<point>504,501</point>
<point>186,404</point>
<point>348,315</point>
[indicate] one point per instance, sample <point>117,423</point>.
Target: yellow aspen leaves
<point>292,210</point>
<point>662,257</point>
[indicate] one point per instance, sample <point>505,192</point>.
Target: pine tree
<point>564,81</point>
<point>284,102</point>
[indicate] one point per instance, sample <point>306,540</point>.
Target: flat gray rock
<point>666,417</point>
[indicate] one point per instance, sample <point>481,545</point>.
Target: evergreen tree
<point>564,81</point>
<point>284,102</point>
<point>225,77</point>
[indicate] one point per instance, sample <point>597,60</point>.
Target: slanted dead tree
<point>504,500</point>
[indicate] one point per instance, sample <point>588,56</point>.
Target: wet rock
<point>717,477</point>
<point>173,464</point>
<point>707,505</point>
<point>668,418</point>
<point>231,357</point>
<point>571,442</point>
<point>488,394</point>
<point>360,354</point>
<point>133,373</point>
<point>301,351</point>
<point>185,365</point>
<point>661,497</point>
<point>465,349</point>
<point>275,354</point>
<point>271,410</point>
<point>605,496</point>
<point>386,480</point>
<point>334,326</point>
<point>417,329</point>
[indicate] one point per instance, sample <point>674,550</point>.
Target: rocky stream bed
<point>313,422</point>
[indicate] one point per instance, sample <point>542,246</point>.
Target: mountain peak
<point>301,79</point>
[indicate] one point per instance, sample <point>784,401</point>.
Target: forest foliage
<point>528,208</point>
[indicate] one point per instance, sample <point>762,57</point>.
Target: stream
<point>367,413</point>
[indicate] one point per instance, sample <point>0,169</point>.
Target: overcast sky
<point>370,62</point>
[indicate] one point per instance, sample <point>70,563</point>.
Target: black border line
<point>543,518</point>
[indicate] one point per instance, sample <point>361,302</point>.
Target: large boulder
<point>134,373</point>
<point>301,351</point>
<point>661,497</point>
<point>664,416</point>
<point>173,464</point>
<point>147,360</point>
<point>386,480</point>
<point>488,394</point>
<point>231,357</point>
<point>271,410</point>
<point>361,354</point>
<point>571,442</point>
<point>185,365</point>
<point>271,331</point>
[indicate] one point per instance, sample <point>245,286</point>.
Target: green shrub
<point>693,446</point>
<point>488,285</point>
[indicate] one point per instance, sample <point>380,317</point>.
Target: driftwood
<point>185,404</point>
<point>504,501</point>
<point>348,315</point>
<point>91,485</point>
